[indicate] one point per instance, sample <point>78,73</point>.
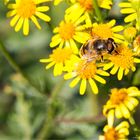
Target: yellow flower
<point>68,32</point>
<point>120,132</point>
<point>86,71</point>
<point>130,33</point>
<point>24,10</point>
<point>107,30</point>
<point>58,59</point>
<point>122,62</point>
<point>131,8</point>
<point>121,103</point>
<point>136,45</point>
<point>86,7</point>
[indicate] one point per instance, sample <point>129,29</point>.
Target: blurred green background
<point>27,111</point>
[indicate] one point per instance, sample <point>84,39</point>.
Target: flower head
<point>121,103</point>
<point>24,10</point>
<point>107,30</point>
<point>130,33</point>
<point>120,132</point>
<point>58,59</point>
<point>86,7</point>
<point>122,62</point>
<point>131,7</point>
<point>68,32</point>
<point>86,72</point>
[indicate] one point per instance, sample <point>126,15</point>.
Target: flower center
<point>61,55</point>
<point>111,134</point>
<point>87,4</point>
<point>86,70</point>
<point>26,8</point>
<point>102,30</point>
<point>66,30</point>
<point>124,58</point>
<point>118,96</point>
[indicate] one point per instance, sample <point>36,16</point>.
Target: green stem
<point>135,128</point>
<point>49,123</point>
<point>97,11</point>
<point>15,66</point>
<point>94,102</point>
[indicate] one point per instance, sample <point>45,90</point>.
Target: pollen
<point>111,134</point>
<point>26,8</point>
<point>61,55</point>
<point>66,30</point>
<point>124,58</point>
<point>118,96</point>
<point>87,4</point>
<point>86,70</point>
<point>103,31</point>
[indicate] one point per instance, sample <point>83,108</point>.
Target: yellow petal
<point>126,71</point>
<point>42,8</point>
<point>19,25</point>
<point>124,131</point>
<point>58,69</point>
<point>129,105</point>
<point>45,60</point>
<point>127,10</point>
<point>114,70</point>
<point>117,28</point>
<point>43,16</point>
<point>124,110</point>
<point>118,36</point>
<point>131,17</point>
<point>118,112</point>
<point>11,6</point>
<point>26,26</point>
<point>125,4</point>
<point>108,66</point>
<point>55,40</point>
<point>41,1</point>
<point>99,79</point>
<point>75,82</point>
<point>74,46</point>
<point>83,86</point>
<point>14,20</point>
<point>11,13</point>
<point>103,73</point>
<point>123,124</point>
<point>120,73</point>
<point>93,86</point>
<point>70,75</point>
<point>134,101</point>
<point>110,117</point>
<point>50,65</point>
<point>136,60</point>
<point>112,23</point>
<point>33,18</point>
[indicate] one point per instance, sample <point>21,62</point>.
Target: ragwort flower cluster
<point>87,50</point>
<point>73,31</point>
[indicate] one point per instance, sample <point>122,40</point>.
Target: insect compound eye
<point>110,40</point>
